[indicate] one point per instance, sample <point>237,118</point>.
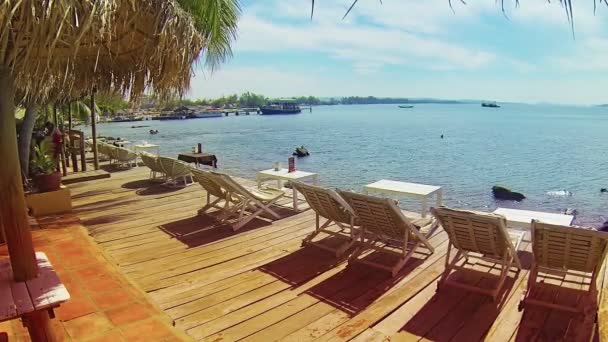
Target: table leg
<point>439,198</point>
<point>295,198</point>
<point>424,206</point>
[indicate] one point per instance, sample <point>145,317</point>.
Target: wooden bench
<point>32,299</point>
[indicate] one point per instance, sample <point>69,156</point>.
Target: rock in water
<point>301,152</point>
<point>502,193</point>
<point>602,190</point>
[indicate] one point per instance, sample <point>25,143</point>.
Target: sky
<point>417,48</point>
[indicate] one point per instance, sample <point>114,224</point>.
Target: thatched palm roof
<point>62,48</point>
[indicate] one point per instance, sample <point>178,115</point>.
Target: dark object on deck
<point>503,193</point>
<point>602,190</point>
<point>604,227</point>
<point>199,158</point>
<point>301,152</point>
<point>571,211</point>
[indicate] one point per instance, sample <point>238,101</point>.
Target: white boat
<point>208,114</point>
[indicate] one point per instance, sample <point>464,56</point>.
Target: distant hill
<point>392,100</point>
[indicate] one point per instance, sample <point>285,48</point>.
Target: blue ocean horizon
<point>533,149</point>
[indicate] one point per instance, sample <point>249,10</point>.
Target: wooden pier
<point>260,284</point>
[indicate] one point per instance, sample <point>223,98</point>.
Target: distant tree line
<point>249,99</point>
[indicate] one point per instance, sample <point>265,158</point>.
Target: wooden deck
<point>259,284</point>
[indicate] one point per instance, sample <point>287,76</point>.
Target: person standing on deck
<point>56,137</point>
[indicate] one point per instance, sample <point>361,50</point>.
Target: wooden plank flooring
<point>259,284</point>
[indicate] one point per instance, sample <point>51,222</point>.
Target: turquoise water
<point>529,148</point>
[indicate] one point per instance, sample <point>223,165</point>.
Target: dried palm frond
<point>65,47</point>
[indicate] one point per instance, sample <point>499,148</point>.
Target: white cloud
<point>360,44</point>
<point>589,56</point>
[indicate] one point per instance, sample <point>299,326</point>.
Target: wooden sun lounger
<point>215,189</point>
<point>176,171</point>
<point>153,164</point>
<point>565,250</point>
<point>257,201</point>
<point>384,225</point>
<point>327,204</point>
<point>481,235</point>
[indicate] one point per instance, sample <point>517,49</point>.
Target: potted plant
<point>46,177</point>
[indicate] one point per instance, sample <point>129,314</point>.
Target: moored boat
<point>490,104</point>
<point>281,106</point>
<point>406,106</point>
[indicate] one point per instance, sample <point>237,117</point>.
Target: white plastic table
<point>395,188</point>
<point>283,175</point>
<point>147,148</point>
<point>522,219</point>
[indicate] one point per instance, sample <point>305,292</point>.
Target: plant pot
<point>50,182</point>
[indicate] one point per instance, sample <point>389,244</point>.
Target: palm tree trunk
<point>25,136</point>
<point>13,217</point>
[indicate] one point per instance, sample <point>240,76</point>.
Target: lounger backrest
<point>326,202</point>
<point>124,154</point>
<point>151,162</point>
<point>380,216</point>
<point>568,248</point>
<point>473,231</point>
<point>173,167</point>
<point>231,185</point>
<point>205,179</point>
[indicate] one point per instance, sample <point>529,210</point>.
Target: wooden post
<point>94,130</point>
<point>13,214</point>
<point>39,326</point>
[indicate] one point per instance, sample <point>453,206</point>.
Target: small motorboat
<point>406,106</point>
<point>152,131</point>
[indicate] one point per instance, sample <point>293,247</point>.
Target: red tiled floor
<point>91,271</point>
<point>101,284</point>
<point>128,313</point>
<point>101,298</point>
<point>150,330</point>
<point>111,336</point>
<point>86,326</point>
<point>74,308</point>
<point>113,298</point>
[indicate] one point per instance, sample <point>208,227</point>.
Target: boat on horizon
<point>406,106</point>
<point>490,104</point>
<point>281,106</point>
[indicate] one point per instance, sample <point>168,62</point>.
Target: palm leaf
<point>217,22</point>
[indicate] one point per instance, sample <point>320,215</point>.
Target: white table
<point>521,219</point>
<point>283,175</point>
<point>147,148</point>
<point>395,188</point>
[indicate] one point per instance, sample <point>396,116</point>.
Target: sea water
<point>557,156</point>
